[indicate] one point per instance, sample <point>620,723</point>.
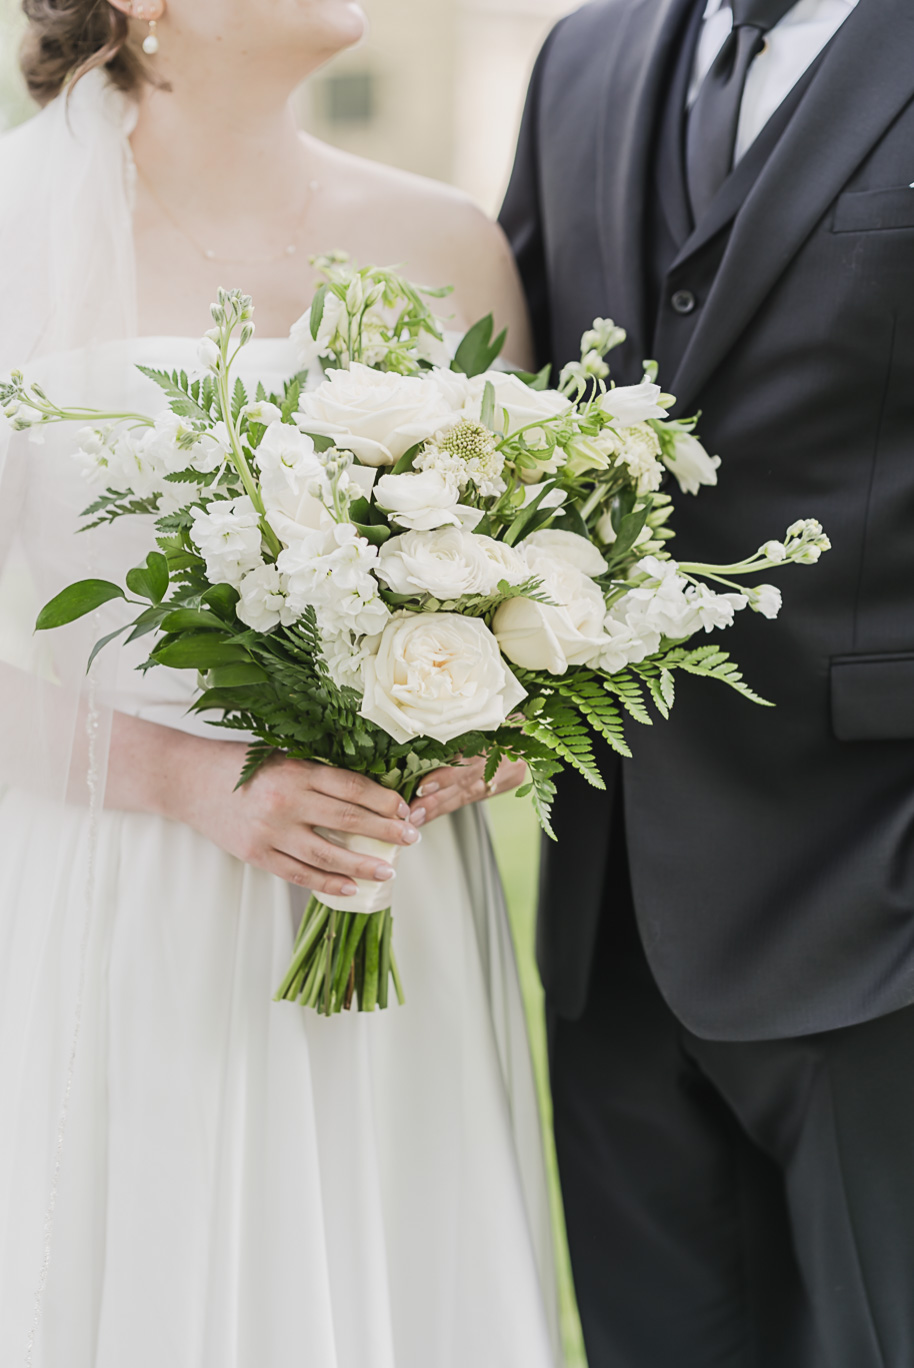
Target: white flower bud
<point>775,551</point>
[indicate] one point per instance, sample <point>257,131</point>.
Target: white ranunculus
<point>227,535</point>
<point>691,464</point>
<point>423,500</point>
<point>507,562</point>
<point>447,563</point>
<point>568,630</point>
<point>263,604</point>
<point>627,404</point>
<point>516,404</point>
<point>439,675</point>
<point>376,414</point>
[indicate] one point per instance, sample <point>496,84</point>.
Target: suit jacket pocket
<point>872,697</point>
<point>869,211</point>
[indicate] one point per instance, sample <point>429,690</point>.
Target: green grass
<point>516,836</point>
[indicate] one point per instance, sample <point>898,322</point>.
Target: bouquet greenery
<point>407,559</point>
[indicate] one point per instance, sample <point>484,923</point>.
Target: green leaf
<point>487,411</point>
<point>148,621</point>
<point>199,651</point>
<point>376,533</point>
<point>190,619</point>
<point>150,581</point>
<point>239,399</point>
<point>477,352</point>
<point>535,380</point>
<point>222,599</point>
<point>180,401</point>
<point>75,601</point>
<point>100,645</point>
<point>522,523</point>
<point>407,460</point>
<point>317,309</point>
<point>232,676</point>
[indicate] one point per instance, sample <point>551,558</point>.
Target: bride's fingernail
<point>410,834</point>
<point>403,810</point>
<point>418,817</point>
<point>426,790</point>
<point>383,872</point>
<point>348,889</point>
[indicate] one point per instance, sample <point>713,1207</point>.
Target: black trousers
<point>732,1205</point>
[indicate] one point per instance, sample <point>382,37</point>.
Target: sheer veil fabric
<point>184,1177</point>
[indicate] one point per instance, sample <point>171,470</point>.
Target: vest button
<point>683,301</point>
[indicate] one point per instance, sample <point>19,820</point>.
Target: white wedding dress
<point>241,1183</point>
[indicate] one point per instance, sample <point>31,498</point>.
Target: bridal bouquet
<point>407,559</point>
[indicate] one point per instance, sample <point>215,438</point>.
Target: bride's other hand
<point>270,821</point>
<point>446,790</point>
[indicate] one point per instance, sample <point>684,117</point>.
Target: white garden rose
<point>447,563</point>
<point>516,404</point>
<point>568,630</point>
<point>227,535</point>
<point>376,414</point>
<point>691,464</point>
<point>627,404</point>
<point>438,675</point>
<point>423,500</point>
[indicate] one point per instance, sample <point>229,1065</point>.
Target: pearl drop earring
<point>151,41</point>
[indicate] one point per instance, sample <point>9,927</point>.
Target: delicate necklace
<point>208,253</point>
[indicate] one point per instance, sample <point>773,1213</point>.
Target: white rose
<point>447,563</point>
<point>263,603</point>
<point>568,547</point>
<point>691,464</point>
<point>627,404</point>
<point>376,414</point>
<point>437,675</point>
<point>516,404</point>
<point>423,500</point>
<point>227,535</point>
<point>567,631</point>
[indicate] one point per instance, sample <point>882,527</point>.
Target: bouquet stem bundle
<point>341,958</point>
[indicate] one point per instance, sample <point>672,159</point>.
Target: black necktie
<point>712,125</point>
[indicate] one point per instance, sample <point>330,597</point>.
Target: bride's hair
<point>67,38</point>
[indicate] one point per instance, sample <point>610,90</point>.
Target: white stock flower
<point>639,450</point>
<point>516,404</point>
<point>668,605</point>
<point>423,500</point>
<point>691,464</point>
<point>263,604</point>
<point>437,675</point>
<point>289,467</point>
<point>627,404</point>
<point>263,412</point>
<point>448,563</point>
<point>172,445</point>
<point>208,353</point>
<point>309,349</point>
<point>432,349</point>
<point>765,599</point>
<point>775,551</point>
<point>378,415</point>
<point>569,629</point>
<point>331,569</point>
<point>227,535</point>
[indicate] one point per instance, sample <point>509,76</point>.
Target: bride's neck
<point>210,142</point>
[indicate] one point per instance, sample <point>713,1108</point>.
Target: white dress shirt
<point>790,47</point>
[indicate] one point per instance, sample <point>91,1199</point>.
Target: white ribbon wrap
<point>371,896</point>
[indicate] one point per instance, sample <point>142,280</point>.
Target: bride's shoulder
<point>437,232</point>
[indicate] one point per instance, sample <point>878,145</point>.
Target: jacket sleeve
<point>521,214</point>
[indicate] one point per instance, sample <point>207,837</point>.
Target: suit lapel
<point>803,176</point>
<point>643,50</point>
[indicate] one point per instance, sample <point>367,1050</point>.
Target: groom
<point>727,936</point>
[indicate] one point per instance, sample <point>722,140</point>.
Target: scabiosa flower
<point>469,453</point>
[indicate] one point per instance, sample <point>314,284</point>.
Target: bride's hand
<point>446,790</point>
<point>270,821</point>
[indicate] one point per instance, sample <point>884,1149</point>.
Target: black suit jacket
<point>771,850</point>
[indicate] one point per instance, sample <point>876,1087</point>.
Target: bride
<point>191,1175</point>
